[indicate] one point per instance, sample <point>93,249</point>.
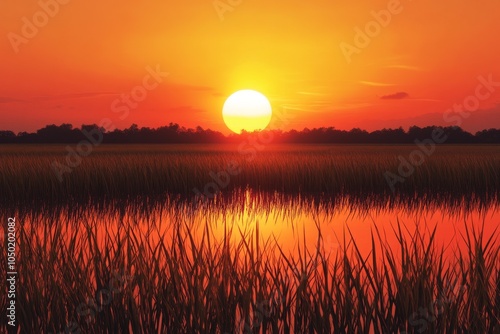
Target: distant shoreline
<point>176,134</point>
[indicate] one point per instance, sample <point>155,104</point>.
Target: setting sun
<point>247,110</point>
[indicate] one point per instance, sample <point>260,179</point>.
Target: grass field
<point>96,254</point>
<point>154,170</point>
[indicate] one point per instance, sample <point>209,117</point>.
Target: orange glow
<point>290,226</point>
<point>247,110</point>
<point>68,63</point>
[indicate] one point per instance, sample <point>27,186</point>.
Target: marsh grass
<point>124,172</point>
<point>98,227</point>
<point>181,278</point>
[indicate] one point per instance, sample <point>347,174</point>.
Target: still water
<point>290,221</point>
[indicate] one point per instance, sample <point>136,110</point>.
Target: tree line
<point>176,134</point>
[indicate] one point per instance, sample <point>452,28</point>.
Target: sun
<point>247,110</point>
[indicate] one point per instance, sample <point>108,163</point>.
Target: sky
<point>340,63</point>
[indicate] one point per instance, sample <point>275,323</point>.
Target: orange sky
<point>86,54</point>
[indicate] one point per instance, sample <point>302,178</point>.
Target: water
<point>286,220</point>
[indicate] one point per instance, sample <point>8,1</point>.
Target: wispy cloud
<point>311,93</point>
<point>395,96</point>
<point>349,106</point>
<point>303,106</point>
<point>8,100</point>
<point>376,84</point>
<point>405,67</point>
<point>426,100</point>
<point>325,106</point>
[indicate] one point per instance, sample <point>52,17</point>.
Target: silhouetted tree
<point>173,133</point>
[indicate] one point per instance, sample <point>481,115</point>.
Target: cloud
<point>323,106</point>
<point>311,93</point>
<point>427,100</point>
<point>8,100</point>
<point>376,84</point>
<point>395,96</point>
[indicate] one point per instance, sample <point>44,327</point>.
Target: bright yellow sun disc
<point>247,110</point>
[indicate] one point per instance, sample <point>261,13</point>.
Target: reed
<point>178,277</point>
<point>114,172</point>
<point>96,253</point>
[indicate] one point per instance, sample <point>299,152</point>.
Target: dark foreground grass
<point>93,279</point>
<point>27,173</point>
